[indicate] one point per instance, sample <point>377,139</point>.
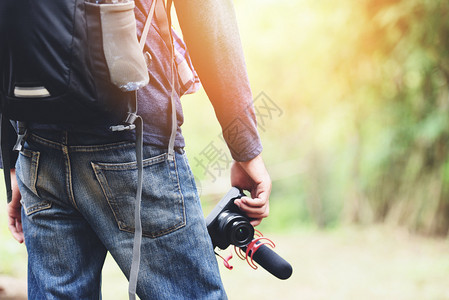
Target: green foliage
<point>364,90</point>
<point>410,51</point>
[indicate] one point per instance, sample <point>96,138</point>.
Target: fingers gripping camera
<point>227,225</point>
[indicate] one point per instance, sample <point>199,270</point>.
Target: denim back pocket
<point>27,168</point>
<point>162,209</point>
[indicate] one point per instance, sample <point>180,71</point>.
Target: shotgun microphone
<point>271,261</point>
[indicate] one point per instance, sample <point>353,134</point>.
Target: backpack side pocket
<point>112,36</point>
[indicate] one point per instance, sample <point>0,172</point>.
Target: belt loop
<point>65,137</point>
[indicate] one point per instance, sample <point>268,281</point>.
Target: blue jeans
<point>78,195</point>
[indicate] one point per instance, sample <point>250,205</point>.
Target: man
<point>77,184</point>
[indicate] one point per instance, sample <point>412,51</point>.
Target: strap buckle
<point>21,134</point>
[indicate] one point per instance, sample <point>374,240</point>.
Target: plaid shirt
<point>189,80</point>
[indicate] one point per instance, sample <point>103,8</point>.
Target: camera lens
<point>241,233</point>
<point>236,228</point>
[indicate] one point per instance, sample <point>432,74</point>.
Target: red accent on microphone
<point>252,248</point>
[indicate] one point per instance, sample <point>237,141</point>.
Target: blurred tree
<point>364,89</point>
<point>398,85</point>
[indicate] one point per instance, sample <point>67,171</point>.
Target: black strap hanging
<point>6,155</point>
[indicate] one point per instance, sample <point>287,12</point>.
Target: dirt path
<point>375,263</point>
<point>372,263</point>
<point>12,288</point>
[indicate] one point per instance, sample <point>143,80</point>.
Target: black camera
<point>226,223</point>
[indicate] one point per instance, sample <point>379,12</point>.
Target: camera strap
<point>162,14</point>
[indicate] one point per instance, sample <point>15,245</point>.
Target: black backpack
<point>53,69</point>
<point>56,69</point>
<point>53,63</point>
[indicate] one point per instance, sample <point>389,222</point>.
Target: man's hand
<point>253,177</point>
<point>14,209</point>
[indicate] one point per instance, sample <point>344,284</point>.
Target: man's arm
<point>211,33</point>
<point>210,30</point>
<point>14,209</point>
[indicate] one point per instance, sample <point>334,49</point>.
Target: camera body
<point>227,225</point>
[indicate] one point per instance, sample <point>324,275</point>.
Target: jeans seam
<point>35,165</point>
<point>103,147</point>
<point>99,173</point>
<point>34,156</point>
<point>68,171</point>
<point>45,142</point>
<point>191,177</point>
<point>132,165</point>
<point>42,206</point>
<point>184,218</point>
<point>80,148</point>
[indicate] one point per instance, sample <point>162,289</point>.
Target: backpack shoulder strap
<point>146,28</point>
